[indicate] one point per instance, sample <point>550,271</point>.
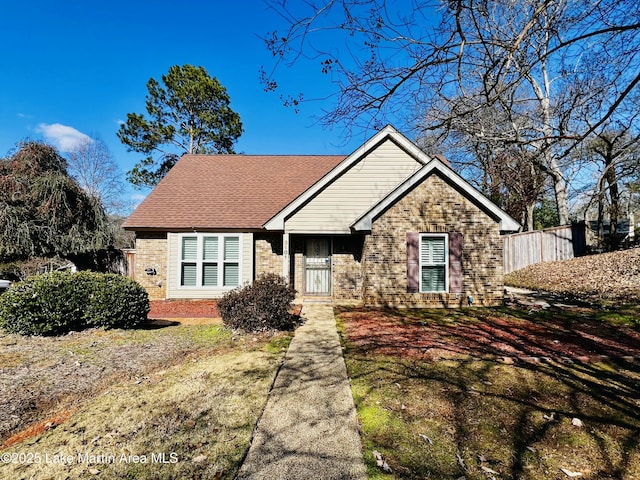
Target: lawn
<point>505,393</point>
<point>166,401</point>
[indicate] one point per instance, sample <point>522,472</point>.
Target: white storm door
<point>317,267</point>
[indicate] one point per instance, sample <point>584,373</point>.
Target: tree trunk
<point>561,195</point>
<point>600,219</point>
<point>614,208</point>
<point>529,218</point>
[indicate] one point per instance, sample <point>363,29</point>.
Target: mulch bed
<point>162,309</point>
<point>492,337</point>
<point>189,309</point>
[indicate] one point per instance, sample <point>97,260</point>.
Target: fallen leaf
<point>380,462</point>
<point>576,422</point>
<point>199,459</point>
<point>94,471</point>
<point>376,455</point>
<point>570,474</point>
<point>488,470</point>
<point>482,458</point>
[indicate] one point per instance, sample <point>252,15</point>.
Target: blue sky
<point>77,67</point>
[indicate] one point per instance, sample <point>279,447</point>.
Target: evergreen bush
<point>58,302</point>
<point>261,306</point>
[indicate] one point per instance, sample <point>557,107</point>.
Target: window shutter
<point>413,263</point>
<point>455,262</point>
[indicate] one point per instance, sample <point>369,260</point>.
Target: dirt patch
<point>38,428</point>
<point>489,334</point>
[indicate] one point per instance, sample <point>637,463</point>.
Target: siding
<point>174,291</point>
<point>354,192</point>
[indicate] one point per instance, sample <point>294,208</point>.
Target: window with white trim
<point>434,262</point>
<point>210,260</point>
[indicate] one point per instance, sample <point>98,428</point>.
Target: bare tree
<point>616,155</point>
<point>96,171</point>
<point>443,67</point>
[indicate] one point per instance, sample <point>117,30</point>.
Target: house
<point>386,225</point>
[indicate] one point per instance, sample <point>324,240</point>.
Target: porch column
<point>286,263</point>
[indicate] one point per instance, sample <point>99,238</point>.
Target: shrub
<point>116,302</point>
<point>261,306</point>
<point>59,302</point>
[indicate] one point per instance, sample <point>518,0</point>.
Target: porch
<point>322,268</point>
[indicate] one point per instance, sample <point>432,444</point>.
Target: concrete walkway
<point>309,427</point>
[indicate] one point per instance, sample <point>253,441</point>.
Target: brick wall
<point>268,252</point>
<point>432,207</point>
<point>347,278</point>
<point>347,268</point>
<point>151,252</point>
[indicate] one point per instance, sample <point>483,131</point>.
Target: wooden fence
<point>558,243</point>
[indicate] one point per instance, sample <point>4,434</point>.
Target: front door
<point>317,267</point>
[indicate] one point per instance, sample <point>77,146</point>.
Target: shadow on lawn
<point>156,324</point>
<point>522,412</point>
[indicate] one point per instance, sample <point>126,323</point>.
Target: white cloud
<point>62,136</point>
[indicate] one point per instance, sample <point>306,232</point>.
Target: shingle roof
<point>228,191</point>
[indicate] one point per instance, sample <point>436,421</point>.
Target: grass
<point>173,402</point>
<point>466,417</point>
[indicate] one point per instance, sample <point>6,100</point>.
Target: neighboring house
<point>386,225</point>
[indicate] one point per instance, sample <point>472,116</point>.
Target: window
<point>208,260</point>
<point>433,263</point>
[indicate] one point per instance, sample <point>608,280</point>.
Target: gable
<point>355,191</point>
<point>380,163</point>
<point>454,182</point>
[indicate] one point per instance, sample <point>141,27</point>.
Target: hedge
<point>59,302</point>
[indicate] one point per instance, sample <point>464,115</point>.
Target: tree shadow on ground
<point>505,386</point>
